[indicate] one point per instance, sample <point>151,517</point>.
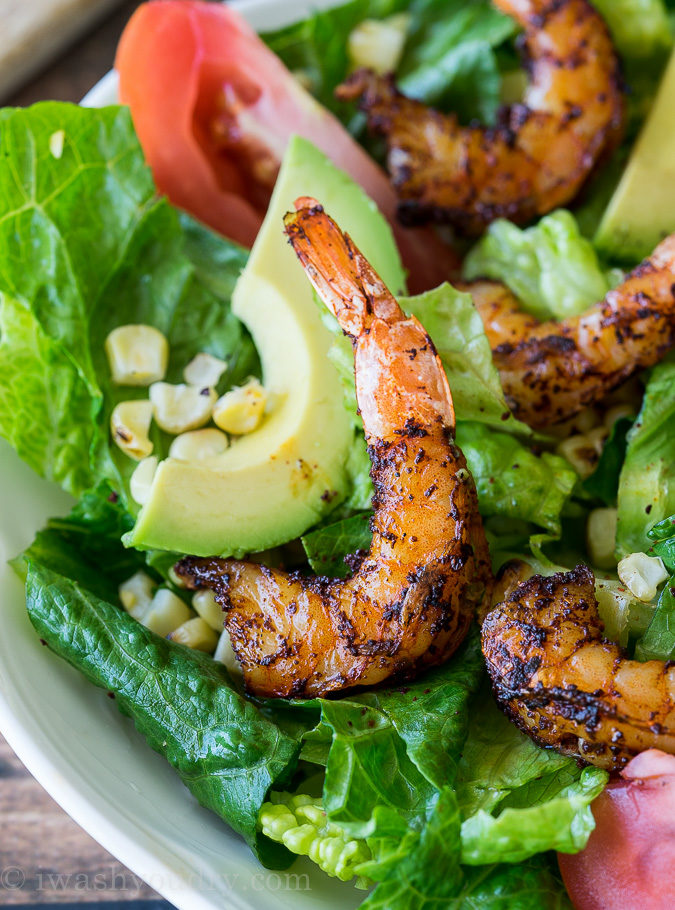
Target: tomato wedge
<point>214,108</point>
<point>629,861</point>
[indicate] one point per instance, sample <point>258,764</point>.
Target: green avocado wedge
<point>272,485</point>
<point>642,210</point>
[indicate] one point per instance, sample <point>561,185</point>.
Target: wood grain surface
<point>45,858</point>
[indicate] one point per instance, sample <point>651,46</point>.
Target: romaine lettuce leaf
<point>86,245</point>
<point>604,481</point>
<point>449,58</point>
<point>181,701</point>
<point>640,28</point>
<point>647,481</point>
<point>551,268</point>
<point>658,641</point>
<point>512,481</point>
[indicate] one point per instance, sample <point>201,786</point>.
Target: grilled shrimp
<point>541,151</point>
<point>564,684</point>
<point>552,370</point>
<point>410,602</point>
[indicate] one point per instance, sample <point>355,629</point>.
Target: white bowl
<point>86,755</point>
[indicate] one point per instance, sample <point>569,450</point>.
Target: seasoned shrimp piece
<point>568,687</point>
<point>412,599</point>
<point>552,370</point>
<point>541,151</point>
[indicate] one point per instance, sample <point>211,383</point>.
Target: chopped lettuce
<point>449,59</point>
<point>456,329</point>
<point>551,268</point>
<point>658,641</point>
<point>85,246</point>
<point>640,28</point>
<point>182,701</point>
<point>647,481</point>
<point>512,481</point>
<point>604,481</point>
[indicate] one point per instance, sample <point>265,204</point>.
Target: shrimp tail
<point>413,597</point>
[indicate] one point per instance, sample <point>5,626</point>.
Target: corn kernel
<point>199,445</point>
<point>240,410</point>
<point>224,653</point>
<point>136,594</point>
<point>167,611</point>
<point>614,606</point>
<point>197,634</point>
<point>178,408</point>
<point>642,575</point>
<point>601,537</point>
<point>378,44</point>
<point>617,413</point>
<point>204,370</point>
<point>140,482</point>
<point>130,425</point>
<point>581,454</point>
<point>204,604</point>
<point>137,354</point>
<point>597,438</point>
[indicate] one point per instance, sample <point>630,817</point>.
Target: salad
<point>354,345</point>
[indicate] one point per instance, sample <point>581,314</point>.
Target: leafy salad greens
<point>425,791</point>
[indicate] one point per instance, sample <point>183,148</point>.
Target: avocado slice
<point>272,485</point>
<point>642,210</point>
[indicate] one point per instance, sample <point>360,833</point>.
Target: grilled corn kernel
<point>642,575</point>
<point>617,412</point>
<point>597,438</point>
<point>581,454</point>
<point>198,445</point>
<point>240,410</point>
<point>225,654</point>
<point>167,611</point>
<point>178,408</point>
<point>204,370</point>
<point>378,44</point>
<point>140,482</point>
<point>601,537</point>
<point>614,606</point>
<point>130,424</point>
<point>197,634</point>
<point>204,604</point>
<point>137,354</point>
<point>136,594</point>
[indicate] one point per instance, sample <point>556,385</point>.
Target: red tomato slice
<point>629,861</point>
<point>214,109</point>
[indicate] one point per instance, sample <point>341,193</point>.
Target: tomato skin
<point>214,108</point>
<point>629,861</point>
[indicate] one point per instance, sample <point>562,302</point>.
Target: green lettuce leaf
<point>658,641</point>
<point>327,547</point>
<point>512,481</point>
<point>396,747</point>
<point>449,58</point>
<point>564,823</point>
<point>647,481</point>
<point>85,246</point>
<point>604,481</point>
<point>551,268</point>
<point>456,329</point>
<point>640,28</point>
<point>181,701</point>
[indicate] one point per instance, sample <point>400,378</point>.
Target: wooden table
<point>45,858</point>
